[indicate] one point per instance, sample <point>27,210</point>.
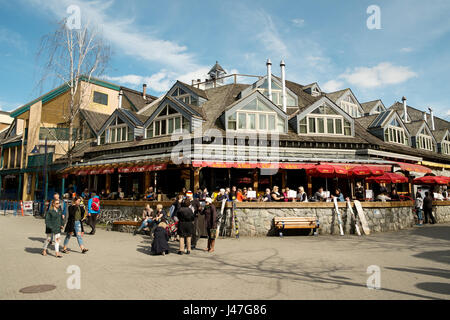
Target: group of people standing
<point>183,214</point>
<point>59,217</point>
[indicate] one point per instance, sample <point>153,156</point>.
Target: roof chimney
<point>432,118</point>
<point>405,112</point>
<point>283,83</point>
<point>120,98</point>
<point>144,91</point>
<point>269,78</point>
<point>425,116</point>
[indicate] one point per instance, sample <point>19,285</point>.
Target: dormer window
<point>425,141</point>
<point>118,131</point>
<point>445,145</point>
<point>187,98</point>
<point>256,116</point>
<point>315,92</point>
<point>395,133</point>
<point>277,97</point>
<point>350,106</point>
<point>167,122</point>
<point>325,121</point>
<point>100,98</point>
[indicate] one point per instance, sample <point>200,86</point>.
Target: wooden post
<point>147,180</point>
<point>283,178</point>
<point>108,183</point>
<point>196,179</point>
<point>310,191</point>
<point>255,179</point>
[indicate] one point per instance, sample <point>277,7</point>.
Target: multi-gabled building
<point>220,133</point>
<point>215,133</point>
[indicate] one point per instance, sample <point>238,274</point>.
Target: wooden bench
<point>282,223</point>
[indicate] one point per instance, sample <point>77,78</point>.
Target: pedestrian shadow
<point>34,250</point>
<point>37,239</point>
<point>442,256</point>
<point>434,272</point>
<point>435,287</point>
<point>434,231</point>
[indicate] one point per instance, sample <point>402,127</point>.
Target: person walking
<point>418,205</point>
<point>74,224</point>
<point>53,226</point>
<point>210,213</point>
<point>185,226</point>
<point>93,211</point>
<point>428,208</point>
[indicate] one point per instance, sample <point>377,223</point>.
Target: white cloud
<point>406,50</point>
<point>123,34</point>
<point>298,22</point>
<point>382,74</point>
<point>332,85</point>
<point>270,37</point>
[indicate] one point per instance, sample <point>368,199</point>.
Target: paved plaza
<point>414,264</point>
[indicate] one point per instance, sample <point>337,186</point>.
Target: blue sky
<point>328,42</point>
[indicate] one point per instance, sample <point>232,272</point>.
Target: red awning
<point>82,172</point>
<point>139,169</point>
<point>107,171</point>
<point>252,165</point>
<point>413,167</point>
<point>348,166</point>
<point>94,171</point>
<point>125,169</point>
<point>158,167</point>
<point>365,171</point>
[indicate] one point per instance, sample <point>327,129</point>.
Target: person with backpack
<point>93,211</point>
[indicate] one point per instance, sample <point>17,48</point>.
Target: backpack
<point>95,204</point>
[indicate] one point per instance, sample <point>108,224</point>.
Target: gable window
<point>277,97</point>
<point>395,133</point>
<point>425,141</point>
<point>100,98</point>
<point>167,122</point>
<point>445,145</point>
<point>256,116</point>
<point>187,98</point>
<point>350,106</point>
<point>118,131</point>
<point>324,120</point>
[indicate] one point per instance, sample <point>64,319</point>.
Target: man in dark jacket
<point>210,213</point>
<point>428,208</point>
<point>196,208</point>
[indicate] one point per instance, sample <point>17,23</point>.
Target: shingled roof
<point>94,119</point>
<point>136,98</point>
<point>416,114</point>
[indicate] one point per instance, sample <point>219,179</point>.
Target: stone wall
<point>259,221</point>
<point>256,219</point>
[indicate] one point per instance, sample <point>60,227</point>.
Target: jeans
<point>77,233</point>
<point>47,241</point>
<point>419,214</point>
<point>144,224</point>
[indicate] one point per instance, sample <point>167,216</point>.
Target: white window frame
<point>351,109</point>
<point>165,118</point>
<point>325,117</point>
<point>425,142</point>
<point>399,133</point>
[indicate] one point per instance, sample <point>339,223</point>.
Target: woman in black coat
<point>74,224</point>
<point>185,225</point>
<point>160,244</point>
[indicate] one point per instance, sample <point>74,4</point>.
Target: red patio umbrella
<point>365,171</point>
<point>327,171</point>
<point>432,180</point>
<point>388,177</point>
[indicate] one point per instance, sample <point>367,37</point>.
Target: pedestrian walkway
<point>413,265</point>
